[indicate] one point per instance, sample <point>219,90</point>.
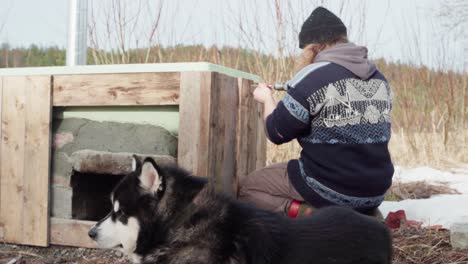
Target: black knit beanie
<point>321,26</point>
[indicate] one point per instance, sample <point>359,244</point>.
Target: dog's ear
<point>150,179</point>
<point>136,163</point>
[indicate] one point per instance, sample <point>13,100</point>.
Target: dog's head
<point>134,201</point>
<point>143,203</point>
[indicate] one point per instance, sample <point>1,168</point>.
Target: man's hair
<point>311,50</point>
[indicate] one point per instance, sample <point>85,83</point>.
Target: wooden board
<point>2,230</point>
<point>251,139</point>
<point>116,89</point>
<point>260,146</point>
<point>223,129</point>
<point>246,126</point>
<point>12,157</point>
<point>25,159</point>
<point>69,232</point>
<point>194,121</point>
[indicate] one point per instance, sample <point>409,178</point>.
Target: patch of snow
<point>442,210</point>
<point>445,209</point>
<point>457,179</point>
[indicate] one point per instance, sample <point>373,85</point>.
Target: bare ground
<point>417,190</point>
<point>411,245</point>
<point>425,246</point>
<point>17,254</point>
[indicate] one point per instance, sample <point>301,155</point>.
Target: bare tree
<point>116,28</point>
<point>2,25</point>
<point>455,21</point>
<point>3,19</point>
<point>455,13</point>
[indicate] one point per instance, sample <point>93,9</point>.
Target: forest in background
<point>429,121</point>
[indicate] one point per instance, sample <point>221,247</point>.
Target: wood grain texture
<point>194,121</point>
<point>251,139</point>
<point>37,160</point>
<point>245,132</point>
<point>116,89</point>
<point>221,129</point>
<point>2,232</point>
<point>223,125</point>
<point>260,139</point>
<point>12,157</point>
<point>69,232</point>
<point>25,159</point>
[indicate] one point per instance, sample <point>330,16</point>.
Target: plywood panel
<point>25,146</point>
<point>116,89</point>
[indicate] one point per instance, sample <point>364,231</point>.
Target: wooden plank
<point>223,125</point>
<point>12,157</point>
<point>1,139</point>
<point>194,121</point>
<point>37,161</point>
<point>116,89</point>
<point>25,147</point>
<point>251,139</point>
<point>69,232</point>
<point>260,145</point>
<point>246,123</point>
<point>221,128</point>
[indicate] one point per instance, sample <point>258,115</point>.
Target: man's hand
<point>262,93</point>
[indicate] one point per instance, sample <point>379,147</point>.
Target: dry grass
<point>407,149</point>
<point>410,246</point>
<point>424,148</point>
<point>424,246</point>
<point>430,117</point>
<point>417,190</point>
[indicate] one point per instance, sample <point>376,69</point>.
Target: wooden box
<point>220,131</point>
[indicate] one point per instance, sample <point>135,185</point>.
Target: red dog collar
<point>294,208</point>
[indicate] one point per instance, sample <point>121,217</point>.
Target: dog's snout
<point>92,233</point>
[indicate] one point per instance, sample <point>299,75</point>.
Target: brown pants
<point>269,188</point>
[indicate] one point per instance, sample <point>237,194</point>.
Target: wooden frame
<point>220,133</point>
<point>25,158</point>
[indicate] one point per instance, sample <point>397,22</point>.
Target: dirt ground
<point>16,254</point>
<point>425,246</point>
<point>411,246</point>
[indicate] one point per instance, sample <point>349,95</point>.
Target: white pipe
<point>77,32</point>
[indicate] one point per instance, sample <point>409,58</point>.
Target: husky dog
<point>164,215</point>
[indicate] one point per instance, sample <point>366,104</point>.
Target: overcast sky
<point>408,31</point>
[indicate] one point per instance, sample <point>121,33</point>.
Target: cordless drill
<point>277,86</point>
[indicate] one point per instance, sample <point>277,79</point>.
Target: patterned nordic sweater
<point>343,125</point>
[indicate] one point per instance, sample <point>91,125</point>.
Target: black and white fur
<point>219,230</point>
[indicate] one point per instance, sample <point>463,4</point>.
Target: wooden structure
<point>220,132</point>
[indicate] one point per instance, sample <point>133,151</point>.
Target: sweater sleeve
<point>290,119</point>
